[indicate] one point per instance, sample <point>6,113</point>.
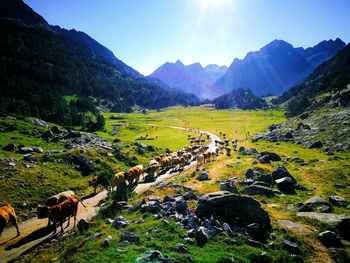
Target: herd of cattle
<point>65,205</point>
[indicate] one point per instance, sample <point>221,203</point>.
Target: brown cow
<point>43,210</point>
<point>134,174</point>
<point>60,212</point>
<point>7,214</point>
<point>94,182</point>
<point>118,177</point>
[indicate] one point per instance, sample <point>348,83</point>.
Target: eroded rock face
<point>233,209</point>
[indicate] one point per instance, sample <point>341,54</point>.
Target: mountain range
<point>190,78</point>
<point>276,67</point>
<point>42,64</point>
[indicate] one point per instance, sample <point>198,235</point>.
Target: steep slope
<point>276,67</point>
<point>191,78</point>
<point>17,9</point>
<point>330,79</point>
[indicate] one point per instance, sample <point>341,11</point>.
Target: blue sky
<point>147,33</point>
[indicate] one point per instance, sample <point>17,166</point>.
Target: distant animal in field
<point>43,210</point>
<point>94,182</point>
<point>7,214</point>
<point>60,212</point>
<point>200,159</point>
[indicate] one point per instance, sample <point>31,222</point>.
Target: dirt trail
<point>35,232</point>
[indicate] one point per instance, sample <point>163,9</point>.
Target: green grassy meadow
<point>320,176</point>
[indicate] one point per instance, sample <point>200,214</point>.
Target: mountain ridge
<point>192,78</point>
<point>276,67</point>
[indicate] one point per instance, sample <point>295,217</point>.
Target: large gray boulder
<point>229,186</point>
<point>154,256</point>
<point>338,221</point>
<point>285,185</point>
<point>258,190</point>
<point>317,204</point>
<point>281,172</point>
<point>233,209</point>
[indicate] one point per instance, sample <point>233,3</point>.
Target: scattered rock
<point>201,236</point>
<point>107,241</point>
<point>262,258</point>
<point>122,192</point>
<point>182,248</point>
<point>152,207</point>
<point>24,150</point>
<point>83,225</point>
<point>154,256</point>
<point>329,239</point>
<point>258,190</point>
<point>233,209</point>
<point>229,186</point>
<point>189,240</point>
<point>285,185</point>
<point>295,227</point>
<point>337,200</point>
<point>131,237</point>
<point>190,196</point>
<point>316,203</point>
<point>316,145</point>
<point>291,247</point>
<point>37,149</point>
<point>47,135</point>
<point>120,222</point>
<point>282,172</point>
<point>10,147</point>
<point>28,157</point>
<point>203,176</point>
<point>269,156</point>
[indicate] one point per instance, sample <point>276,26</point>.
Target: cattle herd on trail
<point>65,205</point>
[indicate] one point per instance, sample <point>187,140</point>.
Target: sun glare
<point>213,2</point>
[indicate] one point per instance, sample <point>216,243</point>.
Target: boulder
<point>120,222</point>
<point>28,157</point>
<point>107,241</point>
<point>122,192</point>
<point>55,129</point>
<point>316,145</point>
<point>242,150</point>
<point>329,239</point>
<point>291,247</point>
<point>154,256</point>
<point>38,122</point>
<point>182,248</point>
<point>10,147</point>
<point>228,186</point>
<point>337,200</point>
<point>282,172</point>
<point>285,185</point>
<point>190,196</point>
<point>131,237</point>
<point>270,156</point>
<point>111,210</point>
<point>316,203</point>
<point>24,150</point>
<point>258,190</point>
<point>181,205</point>
<point>201,236</point>
<point>339,221</point>
<point>37,149</point>
<point>203,176</point>
<point>48,134</point>
<point>233,209</point>
<point>83,225</point>
<point>249,173</point>
<point>152,207</point>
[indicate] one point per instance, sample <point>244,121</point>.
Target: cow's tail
<point>80,201</point>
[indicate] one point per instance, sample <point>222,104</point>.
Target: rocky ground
<point>328,128</point>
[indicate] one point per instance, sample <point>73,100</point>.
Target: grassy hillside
<point>320,174</point>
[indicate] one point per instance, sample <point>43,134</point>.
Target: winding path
<point>34,232</point>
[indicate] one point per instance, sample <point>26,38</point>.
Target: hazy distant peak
<point>179,63</point>
<point>277,44</point>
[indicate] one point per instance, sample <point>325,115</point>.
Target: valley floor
<point>33,181</point>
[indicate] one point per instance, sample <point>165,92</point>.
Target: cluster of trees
<point>39,67</point>
<point>240,98</point>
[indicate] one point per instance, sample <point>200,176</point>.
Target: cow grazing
<point>7,214</point>
<point>94,182</point>
<point>43,210</point>
<point>134,174</point>
<point>200,159</point>
<point>60,212</point>
<point>228,151</point>
<point>118,177</point>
